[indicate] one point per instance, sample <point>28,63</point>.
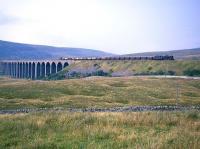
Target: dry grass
<point>101,130</point>
<point>97,92</point>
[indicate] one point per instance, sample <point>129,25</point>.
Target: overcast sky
<point>117,26</point>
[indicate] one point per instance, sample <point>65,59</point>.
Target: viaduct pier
<point>32,69</point>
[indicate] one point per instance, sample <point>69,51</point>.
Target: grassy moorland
<point>164,130</point>
<point>97,92</point>
<point>99,130</point>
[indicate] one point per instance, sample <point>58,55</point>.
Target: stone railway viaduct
<point>32,69</point>
<point>40,69</point>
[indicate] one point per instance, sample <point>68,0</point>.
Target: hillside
<point>11,50</point>
<point>129,68</point>
<point>186,54</point>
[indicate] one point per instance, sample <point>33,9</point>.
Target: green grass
<point>164,130</point>
<point>97,92</point>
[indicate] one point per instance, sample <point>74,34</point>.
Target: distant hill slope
<point>11,50</point>
<point>191,54</point>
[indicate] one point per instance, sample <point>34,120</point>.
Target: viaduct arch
<point>32,69</point>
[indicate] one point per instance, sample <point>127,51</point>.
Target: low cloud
<point>7,19</point>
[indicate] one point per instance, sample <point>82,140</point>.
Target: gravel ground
<point>114,109</point>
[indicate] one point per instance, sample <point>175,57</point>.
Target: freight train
<point>166,57</point>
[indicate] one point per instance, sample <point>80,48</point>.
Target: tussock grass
<point>101,130</point>
<point>97,92</point>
